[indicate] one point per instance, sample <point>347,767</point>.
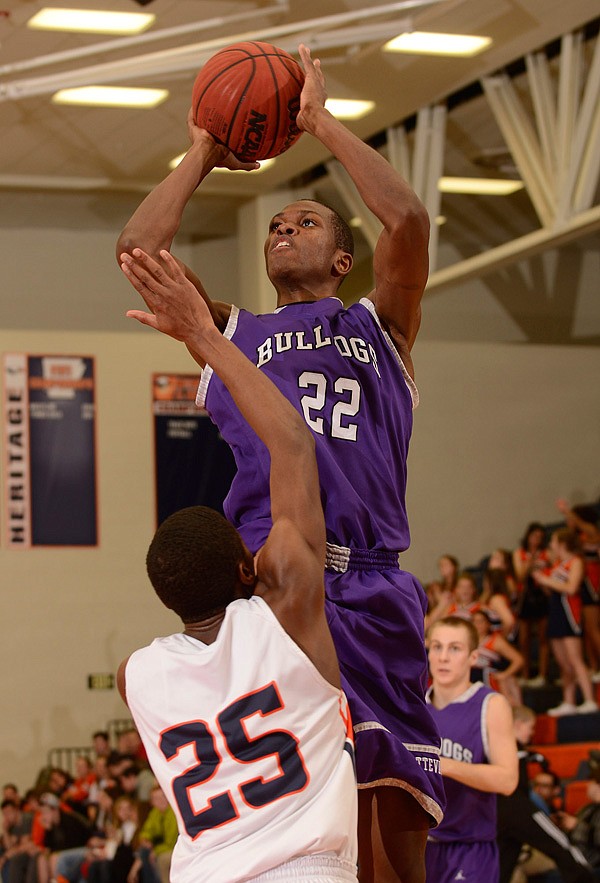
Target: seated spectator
<point>16,838</point>
<point>545,791</point>
<point>137,783</point>
<point>101,743</point>
<point>111,861</point>
<point>465,601</point>
<point>116,764</point>
<point>102,779</point>
<point>157,839</point>
<point>583,829</point>
<point>65,834</point>
<point>130,743</point>
<point>521,822</point>
<point>100,812</point>
<point>441,590</point>
<point>77,795</point>
<point>56,781</point>
<point>461,602</point>
<point>11,792</point>
<point>498,662</point>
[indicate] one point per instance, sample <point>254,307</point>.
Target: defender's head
<point>198,563</point>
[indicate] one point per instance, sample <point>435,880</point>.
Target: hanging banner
<point>50,451</point>
<point>194,464</point>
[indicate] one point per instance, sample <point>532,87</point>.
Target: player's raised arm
<point>157,219</point>
<point>400,262</point>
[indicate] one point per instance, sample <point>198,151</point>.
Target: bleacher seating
<point>564,760</point>
<point>576,795</point>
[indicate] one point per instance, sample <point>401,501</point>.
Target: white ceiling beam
<point>569,89</point>
<point>542,95</point>
<point>432,196</point>
<point>590,167</point>
<point>369,225</point>
<point>425,168</point>
<point>139,40</point>
<point>585,168</point>
<point>191,57</point>
<point>517,250</point>
<point>398,151</point>
<point>522,143</point>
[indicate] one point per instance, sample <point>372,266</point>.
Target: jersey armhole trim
<point>412,387</point>
<point>207,371</point>
<point>484,729</point>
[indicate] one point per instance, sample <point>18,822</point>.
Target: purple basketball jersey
<point>470,814</point>
<point>341,371</point>
<point>343,374</point>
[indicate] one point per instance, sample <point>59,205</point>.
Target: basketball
<point>247,96</point>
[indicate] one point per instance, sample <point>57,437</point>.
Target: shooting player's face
<point>300,241</point>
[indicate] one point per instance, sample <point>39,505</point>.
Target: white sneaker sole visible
<point>562,710</point>
<point>588,708</point>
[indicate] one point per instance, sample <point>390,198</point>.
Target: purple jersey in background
<point>341,371</point>
<point>463,846</point>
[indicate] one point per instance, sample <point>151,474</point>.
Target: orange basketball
<point>247,96</point>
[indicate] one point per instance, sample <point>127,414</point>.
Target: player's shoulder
<point>498,709</point>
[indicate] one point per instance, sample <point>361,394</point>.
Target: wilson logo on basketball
<point>254,134</point>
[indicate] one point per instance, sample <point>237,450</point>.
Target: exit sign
<point>101,682</point>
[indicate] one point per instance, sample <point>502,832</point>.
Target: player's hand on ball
<point>226,159</point>
<point>236,165</point>
<point>176,307</point>
<point>314,93</point>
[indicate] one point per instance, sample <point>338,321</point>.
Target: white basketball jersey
<point>251,745</point>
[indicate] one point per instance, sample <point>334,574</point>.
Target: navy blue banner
<point>51,451</point>
<point>194,465</point>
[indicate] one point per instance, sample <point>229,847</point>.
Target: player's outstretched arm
<point>175,308</point>
<point>501,774</point>
<point>400,262</point>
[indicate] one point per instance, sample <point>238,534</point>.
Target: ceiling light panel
<point>346,109</point>
<point>480,186</point>
<point>91,21</point>
<point>111,96</point>
<point>429,43</point>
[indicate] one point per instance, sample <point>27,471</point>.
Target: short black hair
<point>342,233</point>
<point>193,562</point>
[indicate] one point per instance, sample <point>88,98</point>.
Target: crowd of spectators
<point>535,605</point>
<point>109,822</point>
